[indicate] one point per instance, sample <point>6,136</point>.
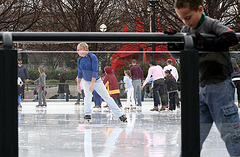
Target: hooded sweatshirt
<point>111,82</point>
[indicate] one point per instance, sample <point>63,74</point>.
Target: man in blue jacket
<point>88,74</point>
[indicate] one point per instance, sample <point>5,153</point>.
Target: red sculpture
<point>128,51</point>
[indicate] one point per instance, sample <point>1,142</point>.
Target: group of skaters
<point>23,77</point>
<point>163,82</point>
<point>106,86</point>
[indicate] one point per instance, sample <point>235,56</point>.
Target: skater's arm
<point>78,85</point>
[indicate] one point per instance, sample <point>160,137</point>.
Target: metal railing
<point>8,91</point>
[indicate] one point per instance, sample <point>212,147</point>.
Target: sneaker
<point>88,117</point>
<point>39,105</point>
<point>120,105</point>
<point>123,118</point>
<point>44,105</point>
<point>20,106</point>
<point>77,103</point>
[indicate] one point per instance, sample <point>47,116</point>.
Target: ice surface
<point>61,131</point>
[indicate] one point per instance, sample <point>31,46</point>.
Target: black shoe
<point>123,118</point>
<point>88,117</point>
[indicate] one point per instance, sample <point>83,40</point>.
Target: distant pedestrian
<point>63,88</point>
<point>111,83</point>
<point>159,85</point>
<point>130,91</point>
<point>137,77</point>
<point>19,85</point>
<point>172,89</point>
<point>23,74</point>
<point>174,73</point>
<point>35,93</point>
<point>42,88</point>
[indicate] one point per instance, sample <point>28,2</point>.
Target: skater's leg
<point>87,98</point>
<point>102,91</point>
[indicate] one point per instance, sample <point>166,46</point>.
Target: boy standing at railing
<point>215,68</point>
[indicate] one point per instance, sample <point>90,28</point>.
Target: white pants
<point>130,96</point>
<point>102,91</point>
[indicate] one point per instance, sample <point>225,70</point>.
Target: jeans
<point>172,100</point>
<point>19,99</point>
<point>159,87</point>
<point>217,105</point>
<point>137,91</point>
<point>116,100</point>
<point>41,97</point>
<point>102,91</point>
<point>97,99</point>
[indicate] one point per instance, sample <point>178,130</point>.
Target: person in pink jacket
<point>159,85</point>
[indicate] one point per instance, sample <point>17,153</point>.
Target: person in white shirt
<point>170,66</point>
<point>19,85</point>
<point>130,91</point>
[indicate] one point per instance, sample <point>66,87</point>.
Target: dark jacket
<point>171,83</point>
<point>23,73</point>
<point>63,88</point>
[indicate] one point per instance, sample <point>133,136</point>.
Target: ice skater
<point>88,74</point>
<point>42,88</point>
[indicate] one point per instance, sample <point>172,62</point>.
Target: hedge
<point>53,74</point>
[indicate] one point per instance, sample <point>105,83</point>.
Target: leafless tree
<point>19,15</point>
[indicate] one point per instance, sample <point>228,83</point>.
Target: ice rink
<point>61,131</point>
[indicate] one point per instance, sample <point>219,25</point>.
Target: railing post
<point>190,100</point>
<point>8,97</point>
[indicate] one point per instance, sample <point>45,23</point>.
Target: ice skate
<point>126,108</point>
<point>123,118</point>
<point>87,118</point>
<point>133,108</point>
<point>77,103</point>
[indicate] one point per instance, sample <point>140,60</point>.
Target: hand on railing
<point>170,32</point>
<point>200,41</point>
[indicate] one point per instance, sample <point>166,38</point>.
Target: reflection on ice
<point>147,134</point>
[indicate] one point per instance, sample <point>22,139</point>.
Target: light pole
<point>103,28</point>
<point>153,4</point>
